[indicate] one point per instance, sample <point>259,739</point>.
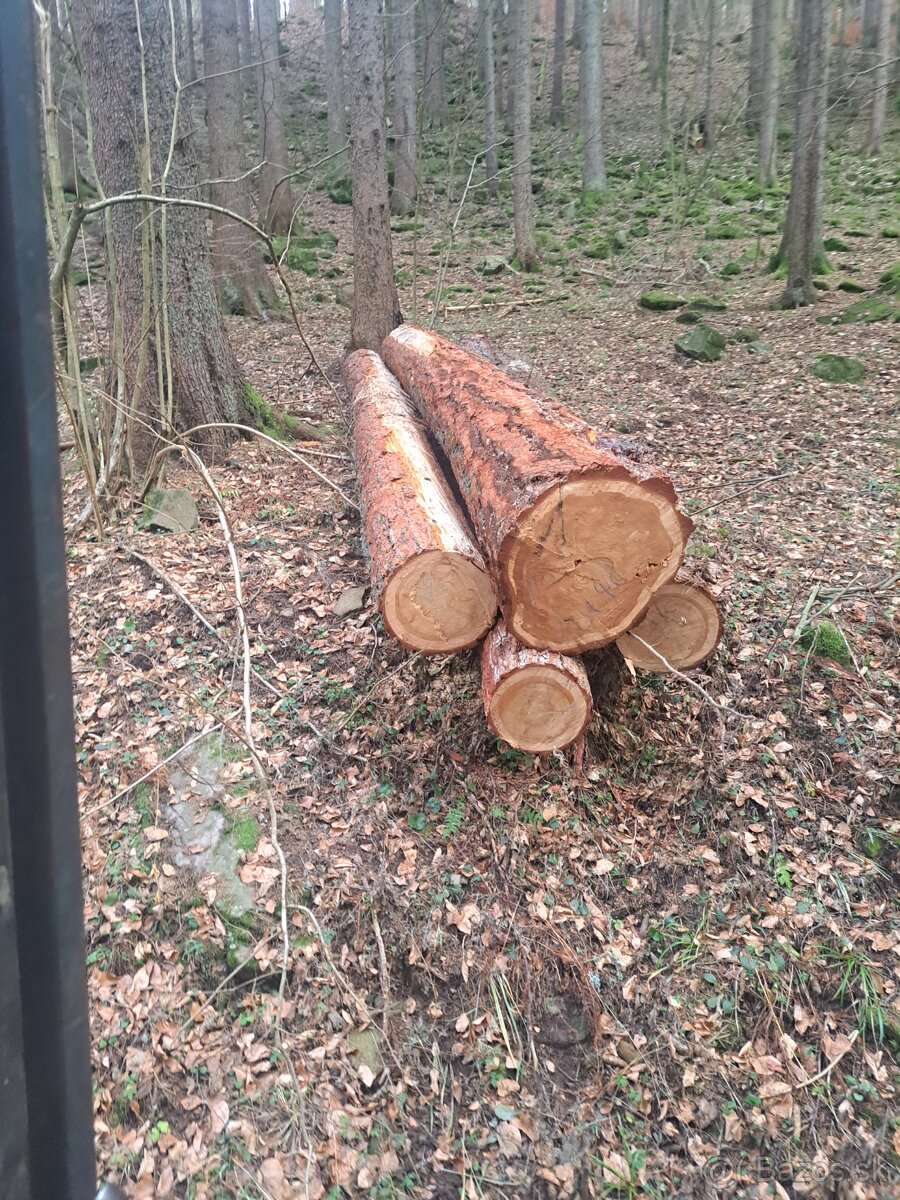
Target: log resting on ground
<point>683,623</point>
<point>433,588</point>
<point>578,538</point>
<point>536,700</point>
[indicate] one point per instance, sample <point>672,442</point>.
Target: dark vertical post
<point>37,763</point>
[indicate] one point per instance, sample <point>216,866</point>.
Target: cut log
<point>430,579</point>
<point>536,700</point>
<point>578,538</point>
<point>682,623</point>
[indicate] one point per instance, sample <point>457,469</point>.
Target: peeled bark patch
<point>433,588</point>
<point>683,623</point>
<point>534,699</point>
<point>578,537</point>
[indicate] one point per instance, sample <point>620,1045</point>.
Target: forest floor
<point>672,971</point>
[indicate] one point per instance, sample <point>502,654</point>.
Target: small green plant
<point>858,989</point>
<point>825,640</point>
<point>453,819</point>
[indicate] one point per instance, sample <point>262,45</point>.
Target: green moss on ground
<point>836,368</point>
<point>825,640</point>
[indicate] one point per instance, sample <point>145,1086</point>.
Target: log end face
<point>682,622</point>
<point>439,602</point>
<point>582,563</point>
<point>539,708</point>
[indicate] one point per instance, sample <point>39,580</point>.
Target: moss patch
<point>836,368</point>
<point>825,640</point>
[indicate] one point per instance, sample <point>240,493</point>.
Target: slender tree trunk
<point>171,361</point>
<point>679,24</point>
<point>576,24</point>
<point>376,307</point>
<point>768,110</point>
<point>880,78</point>
<point>246,43</point>
<point>665,21</point>
<point>656,41</point>
<point>490,99</point>
<point>712,58</point>
<point>801,243</point>
<point>403,197</point>
<point>757,52</point>
<point>276,202</point>
<point>434,84</point>
<point>559,62</point>
<point>520,88</point>
<point>190,53</point>
<point>334,76</point>
<point>593,170</point>
<point>243,285</point>
<point>501,46</point>
<point>640,48</point>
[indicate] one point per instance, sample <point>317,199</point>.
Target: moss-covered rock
<point>724,231</point>
<point>660,301</point>
<point>598,248</point>
<point>825,640</point>
<point>868,311</point>
<point>889,280</point>
<point>850,285</point>
<point>707,304</point>
<point>833,243</point>
<point>837,368</point>
<point>702,343</point>
<point>744,335</point>
<point>730,268</point>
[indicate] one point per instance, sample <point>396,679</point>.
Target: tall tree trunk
<point>665,41</point>
<point>880,78</point>
<point>712,58</point>
<point>190,53</point>
<point>376,307</point>
<point>757,54</point>
<point>559,62</point>
<point>276,202</point>
<point>576,24</point>
<point>334,75</point>
<point>640,48</point>
<point>593,170</point>
<point>171,361</point>
<point>434,84</point>
<point>768,109</point>
<point>490,99</point>
<point>520,89</point>
<point>243,285</point>
<point>246,42</point>
<point>679,25</point>
<point>403,197</point>
<point>801,243</point>
<point>656,41</point>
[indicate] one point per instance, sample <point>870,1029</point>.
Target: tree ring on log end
<point>682,623</point>
<point>539,708</point>
<point>583,561</point>
<point>439,602</point>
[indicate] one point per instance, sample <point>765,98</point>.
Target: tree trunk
<point>172,365</point>
<point>490,99</point>
<point>535,700</point>
<point>376,307</point>
<point>276,203</point>
<point>768,109</point>
<point>679,25</point>
<point>880,78</point>
<point>559,63</point>
<point>190,53</point>
<point>712,57</point>
<point>520,90</point>
<point>334,76</point>
<point>243,285</point>
<point>683,623</point>
<point>406,183</point>
<point>758,15</point>
<point>246,43</point>
<point>434,84</point>
<point>640,48</point>
<point>593,170</point>
<point>576,24</point>
<point>578,538</point>
<point>801,243</point>
<point>429,577</point>
<point>664,54</point>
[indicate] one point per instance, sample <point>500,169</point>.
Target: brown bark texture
<point>434,86</point>
<point>485,13</point>
<point>406,185</point>
<point>559,62</point>
<point>535,700</point>
<point>376,306</point>
<point>200,377</point>
<point>244,287</point>
<point>334,75</point>
<point>430,579</point>
<point>520,97</point>
<point>276,202</point>
<point>683,623</point>
<point>578,538</point>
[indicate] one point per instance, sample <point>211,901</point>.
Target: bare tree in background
<point>712,38</point>
<point>559,62</point>
<point>190,52</point>
<point>406,186</point>
<point>433,77</point>
<point>520,89</point>
<point>755,66</point>
<point>880,78</point>
<point>376,307</point>
<point>243,285</point>
<point>246,42</point>
<point>593,169</point>
<point>334,75</point>
<point>276,203</point>
<point>768,101</point>
<point>490,98</point>
<point>640,47</point>
<point>171,366</point>
<point>801,244</point>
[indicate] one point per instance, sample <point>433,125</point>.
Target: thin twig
<point>834,1062</point>
<point>722,708</point>
<point>385,976</point>
<point>192,1019</point>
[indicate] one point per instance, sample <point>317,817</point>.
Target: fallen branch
<point>450,308</point>
<point>721,708</point>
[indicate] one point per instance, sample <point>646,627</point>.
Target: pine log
<point>683,623</point>
<point>578,538</point>
<point>433,588</point>
<point>536,700</point>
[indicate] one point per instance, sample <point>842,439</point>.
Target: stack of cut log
<point>478,491</point>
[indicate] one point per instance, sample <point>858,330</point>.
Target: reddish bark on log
<point>431,582</point>
<point>578,537</point>
<point>536,700</point>
<point>683,623</point>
